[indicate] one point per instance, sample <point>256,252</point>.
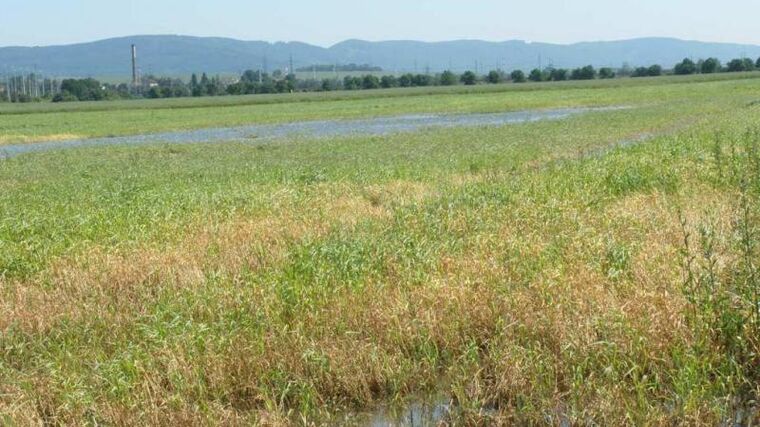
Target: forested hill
<point>181,55</point>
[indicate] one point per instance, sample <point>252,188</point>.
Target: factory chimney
<point>134,66</point>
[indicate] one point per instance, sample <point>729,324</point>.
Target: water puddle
<point>416,413</point>
<point>257,134</point>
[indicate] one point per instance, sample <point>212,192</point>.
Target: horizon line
<point>377,41</point>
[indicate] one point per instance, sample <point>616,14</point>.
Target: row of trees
<point>30,88</point>
<point>713,65</point>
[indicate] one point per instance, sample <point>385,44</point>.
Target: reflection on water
<point>428,412</point>
<point>258,134</point>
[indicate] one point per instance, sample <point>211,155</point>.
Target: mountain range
<point>182,55</point>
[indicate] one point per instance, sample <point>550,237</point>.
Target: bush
<point>64,97</point>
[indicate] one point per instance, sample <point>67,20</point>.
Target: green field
<point>20,123</point>
<point>536,273</point>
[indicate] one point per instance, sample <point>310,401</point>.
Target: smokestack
<point>134,65</point>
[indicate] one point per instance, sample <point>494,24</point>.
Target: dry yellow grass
<point>28,139</point>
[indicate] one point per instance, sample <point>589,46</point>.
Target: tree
<point>558,74</point>
<point>370,82</point>
<point>448,78</point>
<point>655,70</point>
<point>469,78</point>
<point>710,66</point>
<point>517,76</point>
<point>585,73</point>
<point>640,72</point>
<point>329,85</point>
<point>536,75</point>
<point>738,65</point>
<point>388,82</point>
<point>625,70</point>
<point>606,73</point>
<point>422,80</point>
<point>757,64</point>
<point>495,77</point>
<point>352,83</point>
<point>685,67</point>
<point>155,92</point>
<point>83,89</point>
<point>406,80</point>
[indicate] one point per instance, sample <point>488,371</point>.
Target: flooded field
<point>548,266</point>
<point>309,129</point>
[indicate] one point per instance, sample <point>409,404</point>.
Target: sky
<point>325,22</point>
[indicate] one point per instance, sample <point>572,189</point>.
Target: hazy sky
<point>324,22</point>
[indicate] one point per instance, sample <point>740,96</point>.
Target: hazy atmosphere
<point>330,21</point>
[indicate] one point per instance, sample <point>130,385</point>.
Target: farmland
<point>599,268</point>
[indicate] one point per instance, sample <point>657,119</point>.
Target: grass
<point>25,123</point>
<point>535,270</point>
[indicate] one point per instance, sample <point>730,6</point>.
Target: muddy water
<point>310,129</point>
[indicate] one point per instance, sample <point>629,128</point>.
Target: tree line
<point>33,88</point>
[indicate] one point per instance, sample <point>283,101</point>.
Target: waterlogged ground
<point>311,129</point>
<point>329,280</point>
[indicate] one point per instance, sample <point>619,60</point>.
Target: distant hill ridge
<point>181,55</point>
